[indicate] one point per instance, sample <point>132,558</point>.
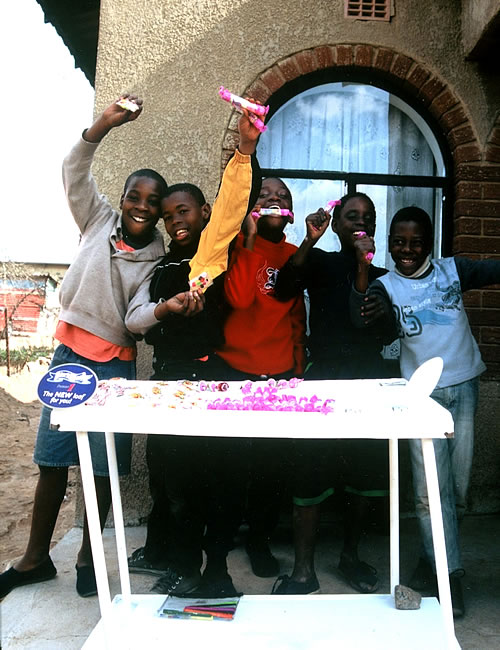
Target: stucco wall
<point>176,54</point>
<point>476,18</point>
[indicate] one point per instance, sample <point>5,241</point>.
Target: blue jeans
<point>454,461</point>
<point>59,448</point>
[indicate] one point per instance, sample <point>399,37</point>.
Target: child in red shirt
<point>263,338</point>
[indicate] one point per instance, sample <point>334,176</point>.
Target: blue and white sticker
<point>69,384</point>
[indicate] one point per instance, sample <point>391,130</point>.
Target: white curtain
<point>349,128</point>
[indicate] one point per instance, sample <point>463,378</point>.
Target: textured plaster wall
<point>476,19</point>
<point>176,54</point>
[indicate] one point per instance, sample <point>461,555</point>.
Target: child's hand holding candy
<point>365,247</point>
<point>317,224</point>
<point>249,133</point>
<point>114,115</point>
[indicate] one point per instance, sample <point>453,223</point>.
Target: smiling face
<point>356,215</point>
<point>409,246</point>
<point>273,194</point>
<point>184,217</point>
<point>140,206</point>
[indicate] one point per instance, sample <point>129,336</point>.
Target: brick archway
<point>431,93</point>
<point>476,171</point>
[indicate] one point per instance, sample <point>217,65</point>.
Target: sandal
<point>284,585</point>
<point>360,575</point>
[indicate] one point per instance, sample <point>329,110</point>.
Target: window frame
<point>387,83</point>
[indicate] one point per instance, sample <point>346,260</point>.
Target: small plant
<point>19,357</point>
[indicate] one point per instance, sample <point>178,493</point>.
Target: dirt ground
<point>19,415</point>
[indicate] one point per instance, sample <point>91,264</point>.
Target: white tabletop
<point>361,409</point>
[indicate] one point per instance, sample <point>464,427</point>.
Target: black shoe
<point>262,561</point>
<point>360,575</point>
<point>216,586</point>
<point>284,585</point>
<point>12,578</point>
<point>86,584</point>
<point>137,563</point>
<point>457,596</point>
<point>423,578</point>
<point>175,583</point>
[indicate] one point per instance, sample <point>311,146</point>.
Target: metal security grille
<point>368,9</point>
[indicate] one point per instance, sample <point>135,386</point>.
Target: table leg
<point>438,538</point>
<point>394,512</point>
<point>94,523</point>
<point>121,545</point>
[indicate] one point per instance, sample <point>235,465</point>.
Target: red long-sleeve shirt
<point>263,335</point>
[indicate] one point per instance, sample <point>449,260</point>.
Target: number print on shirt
<point>412,324</point>
<point>266,278</point>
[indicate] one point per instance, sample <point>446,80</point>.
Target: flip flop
<point>360,575</point>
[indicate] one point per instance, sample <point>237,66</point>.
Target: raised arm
<point>114,115</point>
<point>232,204</point>
<point>87,205</point>
<point>316,225</point>
<point>291,279</point>
<point>475,274</point>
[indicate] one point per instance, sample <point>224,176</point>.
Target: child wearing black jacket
<point>194,480</point>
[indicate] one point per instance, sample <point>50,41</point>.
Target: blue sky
<point>46,104</point>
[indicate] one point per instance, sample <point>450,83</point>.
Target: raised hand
<point>317,224</point>
<point>364,246</point>
<point>249,133</point>
<point>114,115</point>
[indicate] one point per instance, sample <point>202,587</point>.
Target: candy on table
<point>267,398</point>
<point>271,397</point>
<point>128,104</point>
<point>362,233</point>
<point>202,281</point>
<point>213,386</point>
<point>241,103</point>
<point>187,384</point>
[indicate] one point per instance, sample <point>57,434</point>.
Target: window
<point>339,137</point>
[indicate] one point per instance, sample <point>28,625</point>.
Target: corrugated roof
<point>77,23</point>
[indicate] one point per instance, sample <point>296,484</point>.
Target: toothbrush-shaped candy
<point>241,103</point>
<point>264,212</point>
<point>330,205</point>
<point>362,233</point>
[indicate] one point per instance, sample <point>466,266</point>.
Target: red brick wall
<point>476,224</point>
<point>27,313</point>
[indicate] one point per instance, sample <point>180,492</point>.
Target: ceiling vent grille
<point>367,9</point>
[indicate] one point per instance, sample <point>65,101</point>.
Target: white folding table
<point>383,409</point>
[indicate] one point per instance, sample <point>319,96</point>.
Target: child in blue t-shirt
<point>425,297</point>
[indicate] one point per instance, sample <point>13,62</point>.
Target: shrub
<point>19,357</point>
